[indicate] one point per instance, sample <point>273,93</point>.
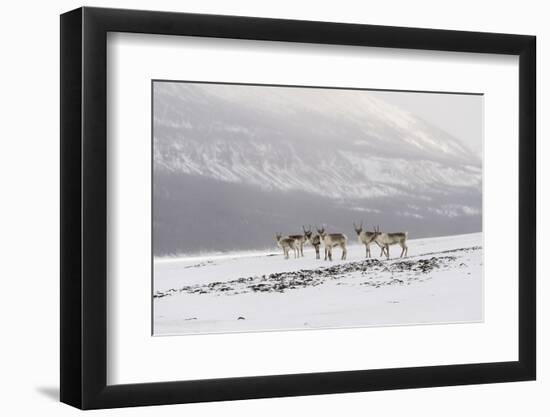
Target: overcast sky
<point>461,115</point>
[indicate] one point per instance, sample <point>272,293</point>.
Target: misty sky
<point>459,114</point>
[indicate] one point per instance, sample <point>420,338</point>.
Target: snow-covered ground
<point>440,281</point>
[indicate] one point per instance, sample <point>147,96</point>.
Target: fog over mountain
<point>235,164</point>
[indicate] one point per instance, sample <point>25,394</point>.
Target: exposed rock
<point>372,273</point>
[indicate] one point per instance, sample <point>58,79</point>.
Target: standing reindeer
<point>286,243</point>
<point>367,238</point>
<point>314,239</point>
<point>385,240</point>
<point>331,240</point>
<point>299,241</point>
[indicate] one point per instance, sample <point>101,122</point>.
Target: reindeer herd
<point>295,243</point>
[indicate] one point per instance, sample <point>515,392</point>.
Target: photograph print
<point>291,208</point>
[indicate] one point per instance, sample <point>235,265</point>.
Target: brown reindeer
<point>299,240</point>
<point>314,240</point>
<point>366,238</point>
<point>387,239</point>
<point>286,244</point>
<point>331,240</point>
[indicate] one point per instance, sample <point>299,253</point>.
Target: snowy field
<point>441,281</point>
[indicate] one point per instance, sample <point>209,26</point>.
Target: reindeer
<point>385,240</point>
<point>286,243</point>
<point>365,237</point>
<point>299,240</point>
<point>313,239</point>
<point>331,240</point>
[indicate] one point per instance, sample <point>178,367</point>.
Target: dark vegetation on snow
<point>372,272</point>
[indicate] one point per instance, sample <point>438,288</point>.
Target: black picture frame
<point>84,207</point>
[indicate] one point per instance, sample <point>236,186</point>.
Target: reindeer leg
<point>344,253</point>
<point>388,251</point>
<point>405,249</point>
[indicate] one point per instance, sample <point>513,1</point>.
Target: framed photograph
<point>256,208</point>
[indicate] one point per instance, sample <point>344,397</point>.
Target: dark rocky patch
<point>375,271</point>
<point>200,265</point>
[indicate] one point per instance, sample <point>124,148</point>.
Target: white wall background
<point>29,232</point>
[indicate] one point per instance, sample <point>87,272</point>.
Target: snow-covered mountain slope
<point>332,143</point>
<point>233,165</point>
